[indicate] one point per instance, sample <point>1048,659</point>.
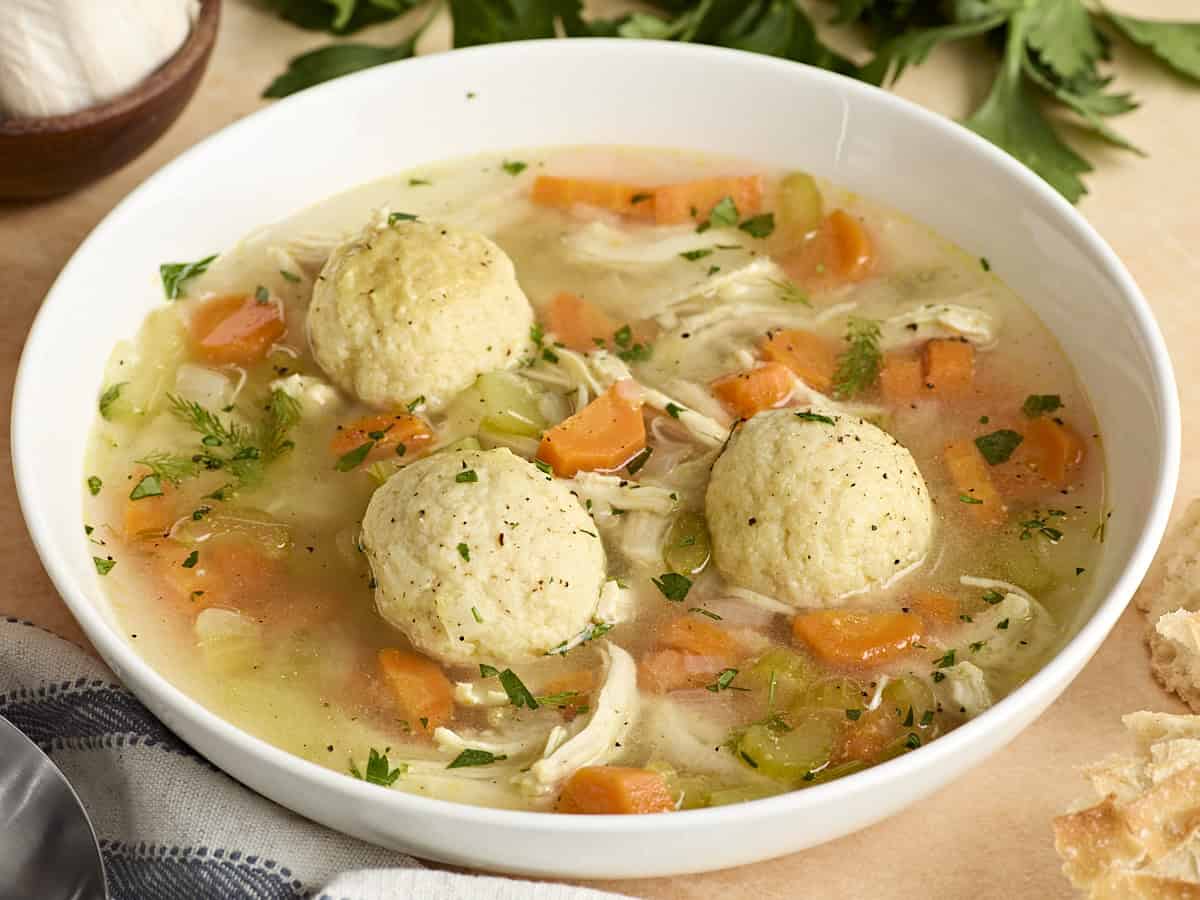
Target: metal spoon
<point>48,850</point>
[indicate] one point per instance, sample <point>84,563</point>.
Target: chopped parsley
<point>724,215</point>
<point>419,182</point>
<point>175,275</point>
<point>289,276</point>
<point>945,661</point>
<point>544,466</point>
<point>103,566</point>
<point>998,446</point>
<point>1038,404</point>
<point>635,465</point>
<point>854,714</point>
<point>149,486</point>
<point>705,612</point>
<point>1037,525</point>
<point>966,498</point>
<point>537,333</point>
<point>378,770</point>
<point>472,757</point>
<point>859,364</point>
<point>627,350</point>
<point>673,586</point>
<point>476,616</point>
<point>261,294</point>
<point>640,197</point>
<point>693,255</point>
<point>416,404</point>
<point>465,552</point>
<point>549,355</point>
<point>913,741</point>
<point>514,167</point>
<point>192,559</point>
<point>673,410</point>
<point>352,459</point>
<point>593,631</point>
<point>984,264</point>
<point>466,476</point>
<point>815,417</point>
<point>518,695</point>
<point>992,597</point>
<point>1002,625</point>
<point>395,217</point>
<point>94,484</point>
<point>760,226</point>
<point>724,680</point>
<point>109,397</point>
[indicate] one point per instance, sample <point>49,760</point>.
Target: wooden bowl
<point>51,155</point>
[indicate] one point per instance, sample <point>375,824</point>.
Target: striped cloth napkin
<point>172,827</point>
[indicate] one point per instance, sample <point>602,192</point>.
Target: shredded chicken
<point>616,708</point>
<point>621,493</point>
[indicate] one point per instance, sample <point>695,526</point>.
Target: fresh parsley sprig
<point>1054,49</point>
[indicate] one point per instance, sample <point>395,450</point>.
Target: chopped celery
<point>228,640</point>
<point>838,693</point>
<point>911,700</point>
<point>740,794</point>
<point>686,548</point>
<point>270,535</point>
<point>509,404</point>
<point>147,370</point>
<point>782,675</point>
<point>839,770</point>
<point>466,443</point>
<point>800,208</point>
<point>788,750</point>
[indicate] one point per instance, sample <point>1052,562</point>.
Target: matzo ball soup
<point>594,480</point>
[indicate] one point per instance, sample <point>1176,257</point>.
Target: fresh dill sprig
<point>172,467</point>
<point>282,414</point>
<point>859,364</point>
<point>215,432</point>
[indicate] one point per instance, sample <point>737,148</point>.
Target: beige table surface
<point>987,835</point>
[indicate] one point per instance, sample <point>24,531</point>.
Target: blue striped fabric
<point>173,827</point>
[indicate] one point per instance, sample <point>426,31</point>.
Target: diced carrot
<point>901,379</point>
<point>810,356</point>
<point>228,572</point>
<point>615,790</point>
<point>750,392</point>
<point>870,736</point>
<point>969,473</point>
<point>420,689</point>
<point>583,326</point>
<point>839,251</point>
<point>581,683</point>
<point>1052,449</point>
<point>149,516</point>
<point>949,366</point>
<point>604,435</point>
<point>937,611</point>
<point>236,329</point>
<point>660,671</point>
<point>856,639</point>
<point>853,256</point>
<point>563,193</point>
<point>693,635</point>
<point>388,432</point>
<point>693,201</point>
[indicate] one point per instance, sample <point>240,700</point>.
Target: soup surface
<point>729,483</point>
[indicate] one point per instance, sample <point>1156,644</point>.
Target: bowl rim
<point>191,52</point>
<point>1047,682</point>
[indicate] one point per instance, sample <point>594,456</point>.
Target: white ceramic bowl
<point>579,92</point>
